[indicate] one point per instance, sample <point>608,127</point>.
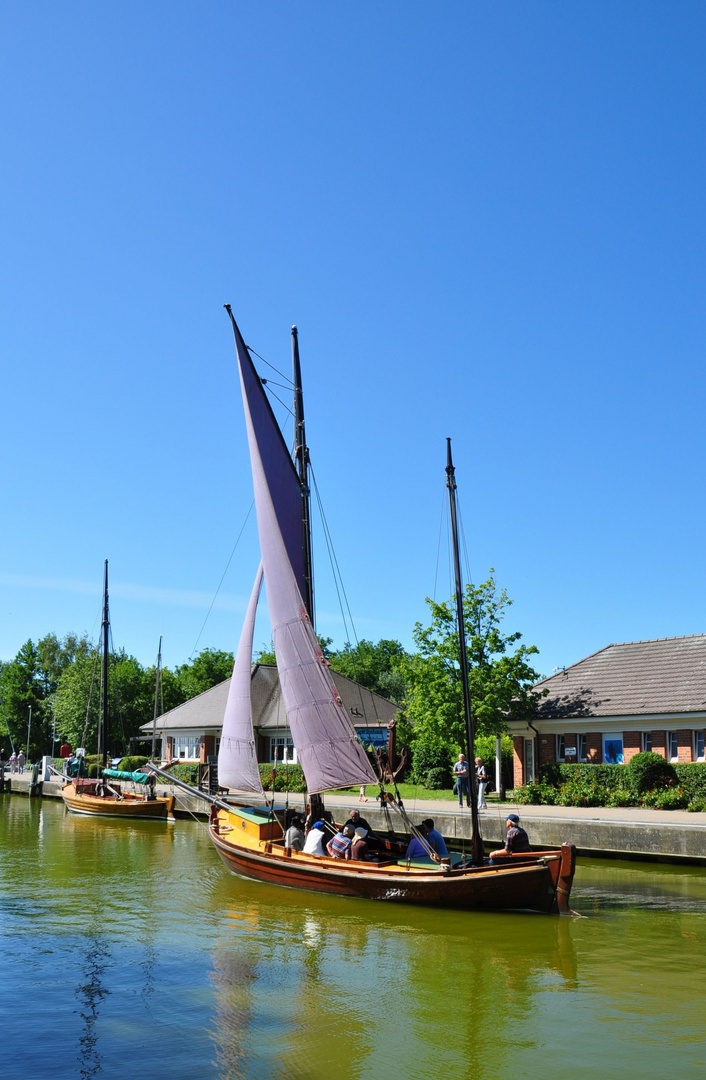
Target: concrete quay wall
<point>620,833</point>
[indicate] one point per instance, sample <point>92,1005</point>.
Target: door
<point>529,761</point>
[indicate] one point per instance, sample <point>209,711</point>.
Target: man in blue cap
<point>516,839</point>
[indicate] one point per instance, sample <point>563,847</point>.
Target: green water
<point>128,950</point>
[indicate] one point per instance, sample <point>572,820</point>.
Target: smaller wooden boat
<point>106,795</point>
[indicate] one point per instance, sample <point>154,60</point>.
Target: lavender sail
<point>237,756</point>
<point>328,749</point>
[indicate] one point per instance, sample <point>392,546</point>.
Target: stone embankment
<point>665,835</point>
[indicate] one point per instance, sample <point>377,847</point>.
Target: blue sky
<point>487,221</point>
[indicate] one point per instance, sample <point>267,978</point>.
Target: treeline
<point>58,679</point>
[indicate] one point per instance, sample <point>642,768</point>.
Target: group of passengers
<point>349,842</point>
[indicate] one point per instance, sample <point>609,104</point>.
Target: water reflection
<point>134,943</point>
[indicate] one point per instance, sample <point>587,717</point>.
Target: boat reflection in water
<point>310,985</point>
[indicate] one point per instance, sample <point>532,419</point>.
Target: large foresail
<point>328,749</point>
<point>283,482</point>
<point>237,756</point>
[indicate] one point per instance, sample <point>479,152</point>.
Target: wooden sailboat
<point>250,840</point>
<point>106,796</point>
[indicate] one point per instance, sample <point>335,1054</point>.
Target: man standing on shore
<point>463,780</point>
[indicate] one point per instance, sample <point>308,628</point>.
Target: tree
<point>21,690</point>
<point>500,675</point>
<point>375,666</point>
<point>209,668</point>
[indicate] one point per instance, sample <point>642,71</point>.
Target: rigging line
<point>288,382</point>
<point>208,613</point>
<point>337,576</point>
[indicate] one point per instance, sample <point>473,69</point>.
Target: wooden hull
<point>129,806</point>
<point>539,881</point>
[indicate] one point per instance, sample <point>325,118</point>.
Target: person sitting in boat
<point>357,822</point>
<point>294,837</point>
<point>359,847</point>
<point>339,846</point>
<point>434,838</point>
<point>415,848</point>
<point>516,839</point>
<point>314,843</point>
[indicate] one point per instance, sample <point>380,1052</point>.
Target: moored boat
<point>106,796</point>
<point>249,839</point>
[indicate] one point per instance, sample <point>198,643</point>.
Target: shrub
<point>188,771</point>
<point>671,799</point>
<point>437,779</point>
<point>538,793</point>
<point>134,763</point>
<point>650,772</point>
<point>621,796</point>
<point>697,806</point>
<point>428,754</point>
<point>286,778</point>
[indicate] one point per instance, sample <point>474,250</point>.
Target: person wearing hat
<point>359,849</point>
<point>516,839</point>
<point>339,846</point>
<point>314,843</point>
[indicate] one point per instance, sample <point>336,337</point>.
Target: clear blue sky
<point>487,220</point>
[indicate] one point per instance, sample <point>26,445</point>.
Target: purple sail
<point>328,749</point>
<point>237,756</point>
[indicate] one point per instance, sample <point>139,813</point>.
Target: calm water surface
<point>130,950</point>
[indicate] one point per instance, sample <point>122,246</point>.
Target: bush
<point>538,793</point>
<point>650,772</point>
<point>437,779</point>
<point>671,799</point>
<point>430,754</point>
<point>188,771</point>
<point>133,764</point>
<point>286,778</point>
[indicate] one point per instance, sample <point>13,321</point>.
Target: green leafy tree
<point>130,701</point>
<point>375,666</point>
<point>267,656</point>
<point>500,673</point>
<point>209,668</point>
<point>21,689</point>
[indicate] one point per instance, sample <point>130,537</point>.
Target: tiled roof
<point>665,675</point>
<point>205,712</point>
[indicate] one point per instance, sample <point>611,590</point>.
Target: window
<point>698,746</point>
<point>581,747</point>
<point>560,748</point>
<point>673,746</point>
<point>613,750</point>
<point>529,761</point>
<point>647,741</point>
<point>186,747</point>
<point>283,747</point>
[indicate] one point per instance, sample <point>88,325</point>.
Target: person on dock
<point>13,762</point>
<point>481,781</point>
<point>516,839</point>
<point>339,846</point>
<point>463,780</point>
<point>314,843</point>
<point>21,761</point>
<point>434,838</point>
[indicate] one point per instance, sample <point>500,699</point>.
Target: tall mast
<point>103,722</point>
<point>301,461</point>
<point>476,839</point>
<point>157,687</point>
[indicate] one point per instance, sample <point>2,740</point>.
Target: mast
<point>103,722</point>
<point>157,687</point>
<point>476,839</point>
<point>301,461</point>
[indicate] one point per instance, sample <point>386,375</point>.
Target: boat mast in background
<point>105,634</point>
<point>476,839</point>
<point>301,461</point>
<point>157,689</point>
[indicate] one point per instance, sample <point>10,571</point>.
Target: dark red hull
<point>541,882</point>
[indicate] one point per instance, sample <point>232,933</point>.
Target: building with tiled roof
<point>641,695</point>
<point>192,731</point>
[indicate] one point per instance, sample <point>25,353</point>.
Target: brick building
<point>641,695</point>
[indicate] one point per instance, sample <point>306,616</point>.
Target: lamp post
<point>29,726</point>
